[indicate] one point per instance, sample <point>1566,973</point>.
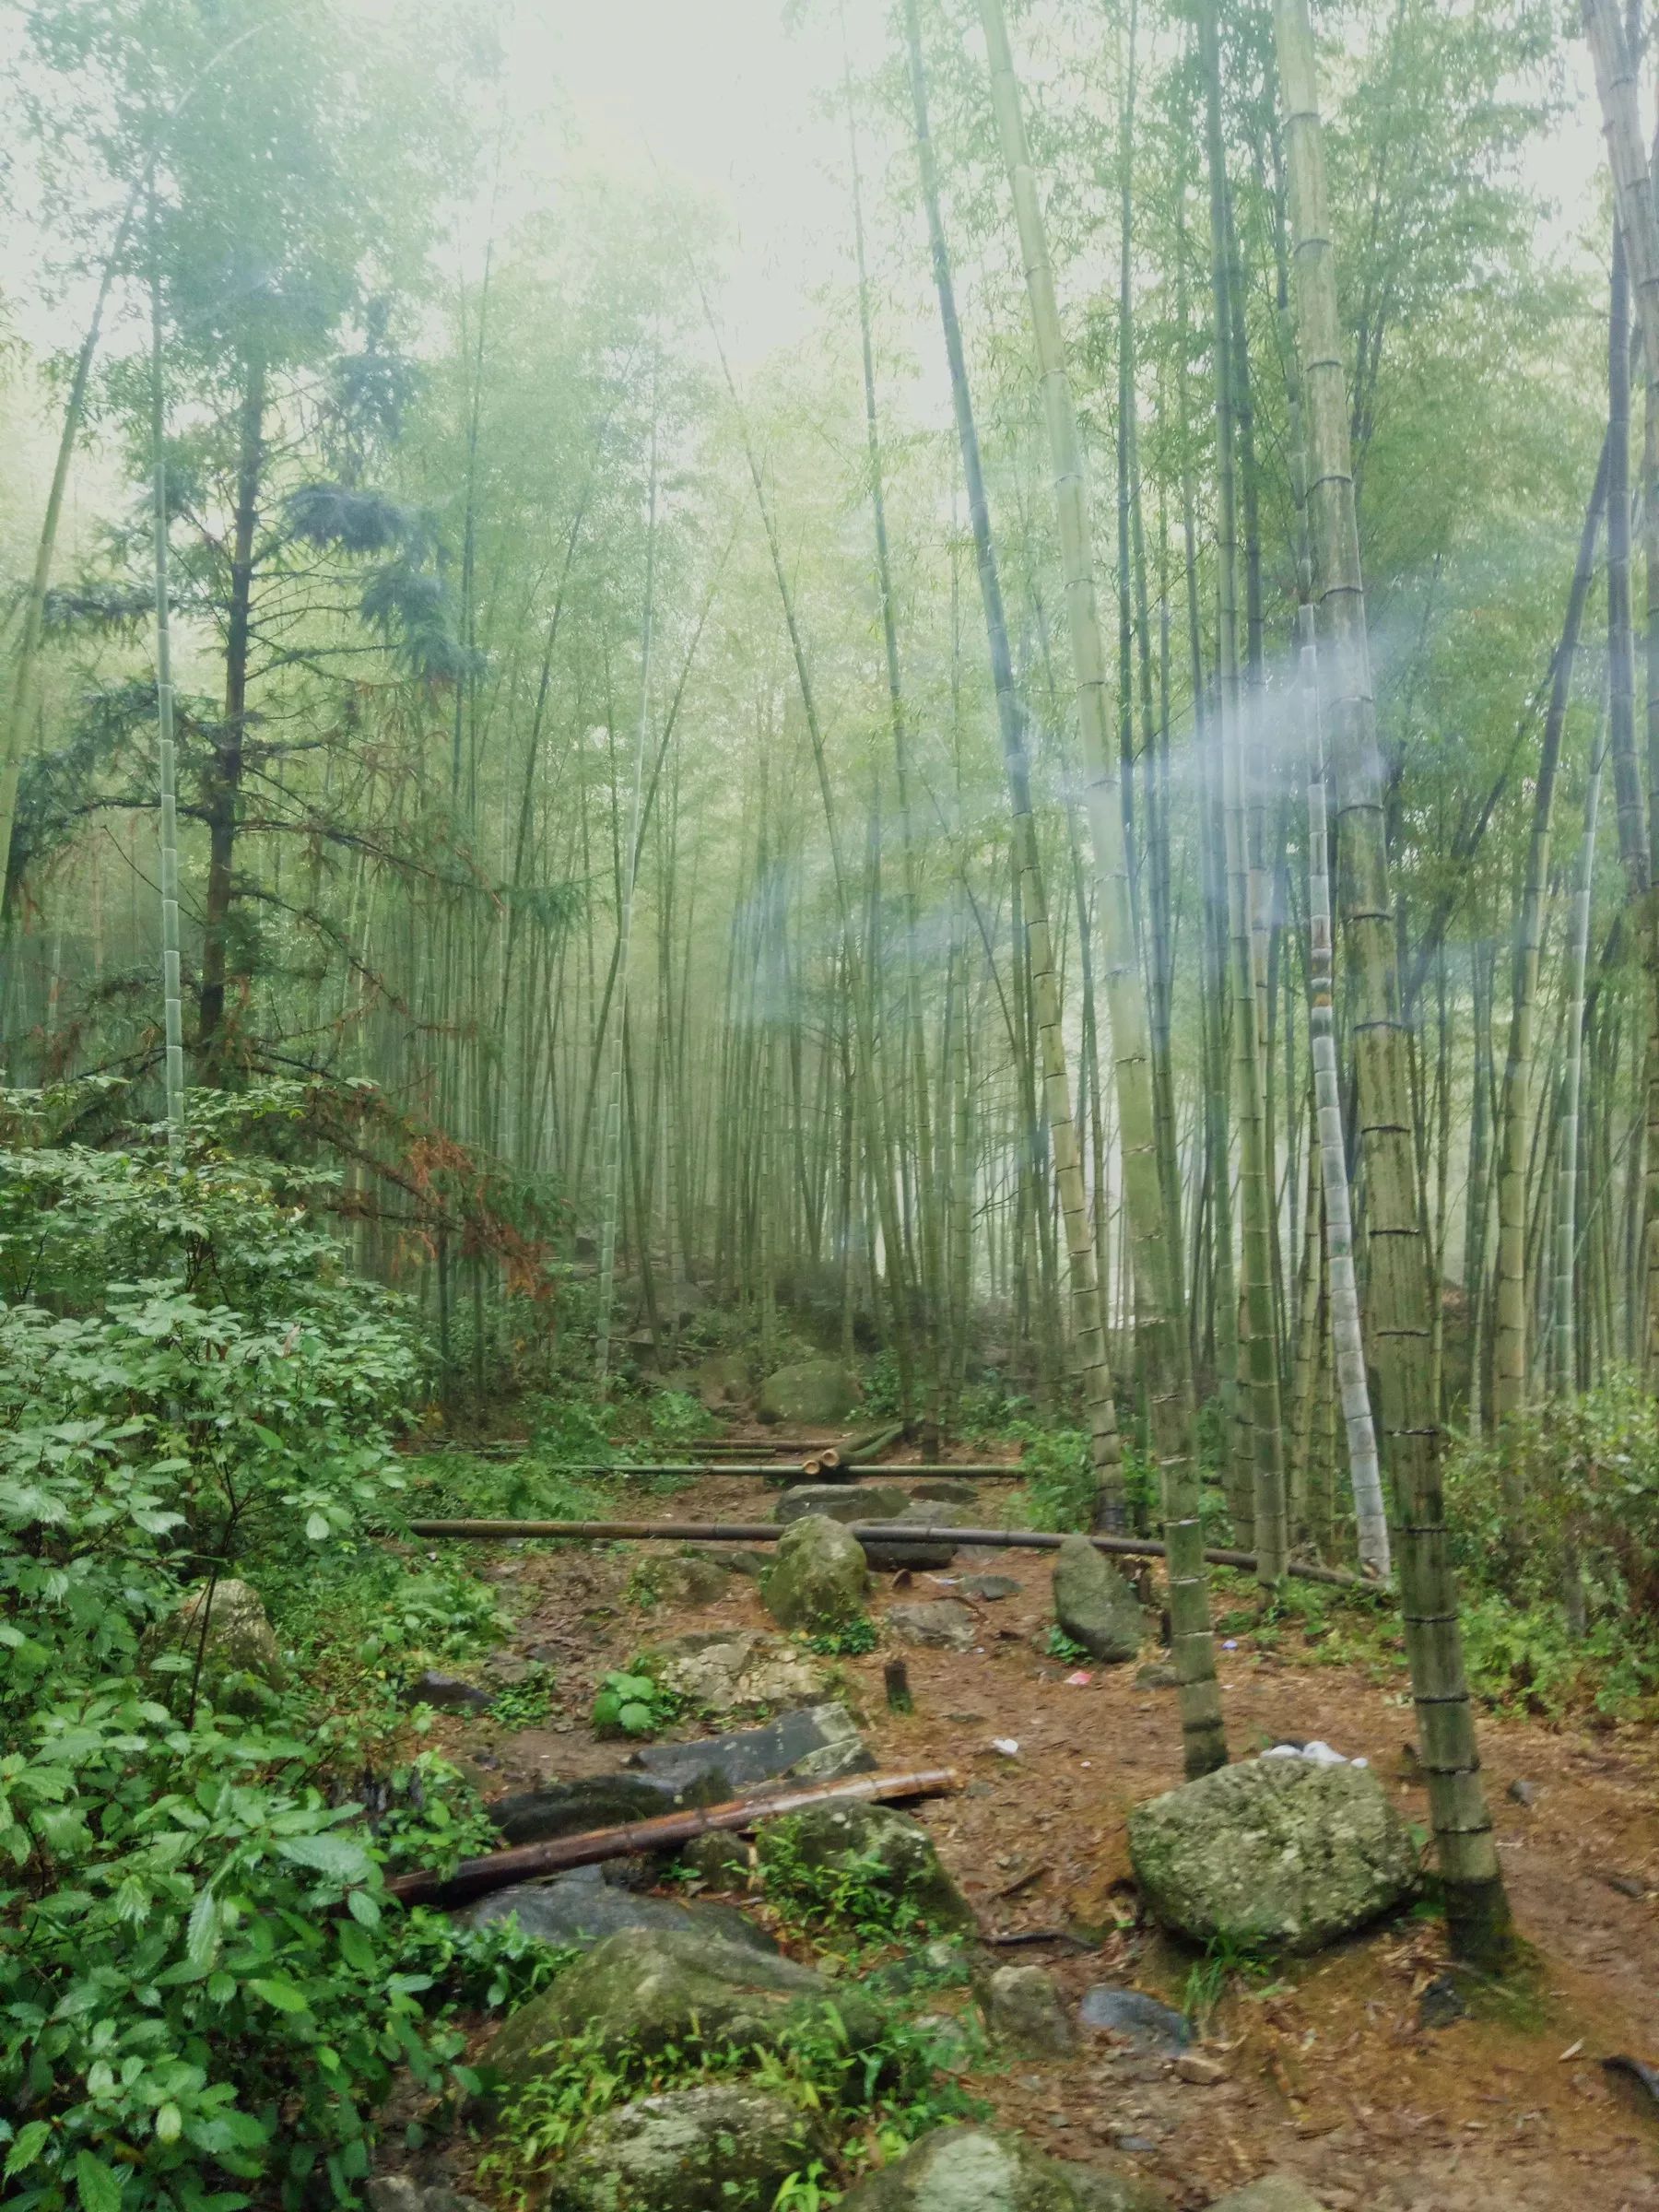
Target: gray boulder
<point>945,1489</point>
<point>571,1808</point>
<point>989,1586</point>
<point>1023,2008</point>
<point>686,1580</point>
<point>580,1909</point>
<point>732,1670</point>
<point>940,1622</point>
<point>722,1862</point>
<point>1135,2019</point>
<point>888,1555</point>
<point>445,1693</point>
<point>889,1850</point>
<point>1275,1852</point>
<point>241,1657</point>
<point>720,2142</point>
<point>647,1988</point>
<point>819,1579</point>
<point>1273,2192</point>
<point>970,2170</point>
<point>816,1743</point>
<point>813,1394</point>
<point>1094,1605</point>
<point>841,1501</point>
<point>751,1559</point>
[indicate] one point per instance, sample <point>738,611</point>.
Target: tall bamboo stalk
<point>1476,1907</point>
<point>166,752</point>
<point>1567,1173</point>
<point>1159,1318</point>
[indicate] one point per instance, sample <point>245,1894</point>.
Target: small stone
<point>942,1491</point>
<point>1627,1885</point>
<point>1523,1793</point>
<point>1440,2004</point>
<point>989,1587</point>
<point>240,1656</point>
<point>889,1555</point>
<point>447,1693</point>
<point>402,2193</point>
<point>1158,1676</point>
<point>941,1623</point>
<point>1203,2073</point>
<point>970,2170</point>
<point>1024,2009</point>
<point>579,1910</point>
<point>690,1581</point>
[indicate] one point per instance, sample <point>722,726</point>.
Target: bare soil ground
<point>1327,2071</point>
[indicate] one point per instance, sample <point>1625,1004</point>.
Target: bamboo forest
<point>830,1106</point>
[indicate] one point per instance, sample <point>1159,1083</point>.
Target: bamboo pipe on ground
<point>884,1532</point>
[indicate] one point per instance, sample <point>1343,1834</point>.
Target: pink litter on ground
<point>1079,1680</point>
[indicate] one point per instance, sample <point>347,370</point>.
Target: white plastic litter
<point>1315,1753</point>
<point>1008,1744</point>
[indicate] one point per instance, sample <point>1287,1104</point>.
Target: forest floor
<point>1328,2072</point>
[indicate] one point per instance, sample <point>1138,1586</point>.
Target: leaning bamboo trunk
<point>1566,1356</point>
<point>1619,95</point>
<point>1088,1336</point>
<point>1509,1343</point>
<point>1477,1908</point>
<point>1167,1364</point>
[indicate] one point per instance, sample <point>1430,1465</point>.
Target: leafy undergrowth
<point>204,1992</point>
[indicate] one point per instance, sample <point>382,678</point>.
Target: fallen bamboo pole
<point>524,1862</point>
<point>874,1532</point>
<point>897,1470</point>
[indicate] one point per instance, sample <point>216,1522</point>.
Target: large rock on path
<point>1093,1603</point>
<point>886,1849</point>
<point>720,2142</point>
<point>813,1394</point>
<point>970,2170</point>
<point>571,1808</point>
<point>819,1579</point>
<point>816,1743</point>
<point>581,1909</point>
<point>646,1988</point>
<point>1024,2009</point>
<point>1275,1852</point>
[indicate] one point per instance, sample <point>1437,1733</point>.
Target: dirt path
<point>1328,2072</point>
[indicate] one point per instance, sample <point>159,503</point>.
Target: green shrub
<point>634,1703</point>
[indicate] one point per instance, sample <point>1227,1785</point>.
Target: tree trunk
<point>1163,1325</point>
<point>1477,1908</point>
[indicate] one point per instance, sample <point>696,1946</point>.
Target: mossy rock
<point>1275,1853</point>
<point>646,1988</point>
<point>719,2143</point>
<point>819,1579</point>
<point>873,1842</point>
<point>970,2170</point>
<point>1094,1605</point>
<point>241,1661</point>
<point>813,1394</point>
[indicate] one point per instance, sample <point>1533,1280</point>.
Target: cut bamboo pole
<point>864,1532</point>
<point>474,1877</point>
